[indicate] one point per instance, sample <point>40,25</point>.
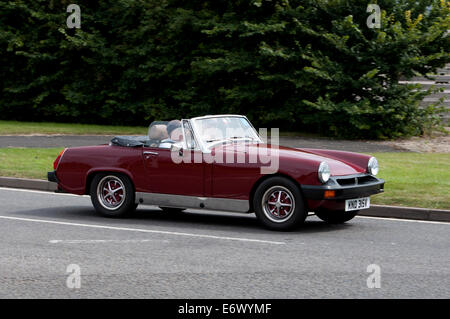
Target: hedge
<point>309,65</point>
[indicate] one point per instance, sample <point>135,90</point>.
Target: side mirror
<point>177,147</point>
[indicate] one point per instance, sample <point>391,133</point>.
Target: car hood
<point>288,155</point>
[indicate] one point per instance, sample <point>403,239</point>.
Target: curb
<point>35,184</point>
<point>439,215</point>
<point>414,213</point>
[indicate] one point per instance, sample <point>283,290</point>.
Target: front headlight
<point>324,172</point>
<point>372,166</point>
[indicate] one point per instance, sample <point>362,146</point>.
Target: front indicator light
<point>329,194</point>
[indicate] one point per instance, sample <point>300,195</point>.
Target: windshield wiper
<point>236,137</point>
<point>213,140</point>
<point>231,138</point>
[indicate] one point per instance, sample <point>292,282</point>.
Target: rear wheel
<point>279,204</point>
<point>335,216</point>
<point>112,195</point>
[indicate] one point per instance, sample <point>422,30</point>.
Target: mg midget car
<point>221,163</point>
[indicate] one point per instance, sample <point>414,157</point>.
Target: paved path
<point>70,141</point>
<point>210,255</point>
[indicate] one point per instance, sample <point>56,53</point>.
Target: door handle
<point>150,153</point>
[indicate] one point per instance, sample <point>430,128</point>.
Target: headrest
<point>158,132</point>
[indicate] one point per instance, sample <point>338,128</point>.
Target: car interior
<point>161,134</point>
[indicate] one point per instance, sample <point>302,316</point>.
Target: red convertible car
<point>218,162</point>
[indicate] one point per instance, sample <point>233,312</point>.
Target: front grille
<point>346,181</point>
<point>359,180</point>
<point>366,179</point>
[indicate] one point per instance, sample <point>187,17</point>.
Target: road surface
<point>84,140</point>
<point>209,255</point>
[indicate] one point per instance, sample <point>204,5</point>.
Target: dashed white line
<point>145,230</point>
<point>104,241</point>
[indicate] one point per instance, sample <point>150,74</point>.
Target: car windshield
<point>223,129</point>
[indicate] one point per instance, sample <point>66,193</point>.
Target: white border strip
<point>405,220</point>
<point>310,214</point>
<point>40,192</point>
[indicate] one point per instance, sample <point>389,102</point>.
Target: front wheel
<point>112,195</point>
<point>279,204</point>
<point>336,216</point>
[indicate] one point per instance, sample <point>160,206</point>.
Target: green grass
<point>27,162</point>
<point>418,180</point>
<point>412,179</point>
<point>26,128</point>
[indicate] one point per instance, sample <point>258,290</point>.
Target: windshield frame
<point>206,147</point>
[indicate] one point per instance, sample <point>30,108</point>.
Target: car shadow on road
<point>148,216</point>
<point>235,220</point>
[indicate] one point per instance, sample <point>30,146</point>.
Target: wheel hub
<point>278,203</point>
<point>111,192</point>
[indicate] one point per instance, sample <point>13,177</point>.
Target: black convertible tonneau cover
<point>130,141</point>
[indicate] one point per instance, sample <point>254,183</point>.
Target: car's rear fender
<point>78,165</point>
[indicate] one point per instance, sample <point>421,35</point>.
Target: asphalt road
<point>210,255</point>
<point>84,140</point>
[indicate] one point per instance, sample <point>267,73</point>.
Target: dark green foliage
<point>301,65</point>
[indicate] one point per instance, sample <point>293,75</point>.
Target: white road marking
<point>101,241</point>
<point>405,220</point>
<point>145,230</point>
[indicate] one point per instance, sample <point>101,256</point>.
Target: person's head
<point>172,125</point>
<point>176,135</point>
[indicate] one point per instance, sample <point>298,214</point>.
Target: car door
<point>168,176</point>
<point>234,179</point>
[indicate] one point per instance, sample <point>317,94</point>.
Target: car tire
<point>335,216</point>
<point>112,195</point>
<point>279,204</point>
<point>172,210</point>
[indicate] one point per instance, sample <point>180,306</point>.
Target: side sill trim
<point>182,201</point>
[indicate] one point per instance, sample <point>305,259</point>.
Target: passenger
<point>175,134</point>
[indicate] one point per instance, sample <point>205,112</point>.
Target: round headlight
<point>324,172</point>
<point>372,166</point>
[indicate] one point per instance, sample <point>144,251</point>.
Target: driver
<point>173,125</point>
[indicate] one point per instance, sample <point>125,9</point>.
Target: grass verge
<point>27,162</point>
<point>417,180</point>
<point>43,128</point>
<point>26,128</point>
<point>413,179</point>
